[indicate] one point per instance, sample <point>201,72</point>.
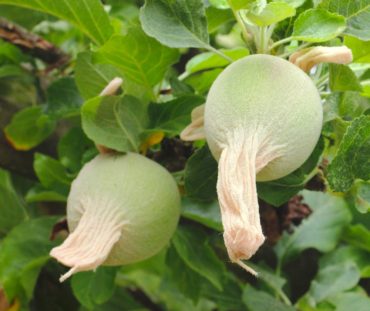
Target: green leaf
<point>358,235</point>
<point>345,105</point>
<point>360,49</point>
<point>142,59</point>
<point>210,60</point>
<point>201,176</point>
<point>19,91</point>
<point>93,288</point>
<point>333,279</point>
<point>335,130</point>
<point>321,230</point>
<point>267,276</point>
<point>12,211</point>
<point>89,155</point>
<point>202,82</point>
<point>274,12</point>
<point>342,79</point>
<point>257,300</point>
<point>10,53</point>
<point>23,252</point>
<point>150,276</point>
<point>241,4</point>
<point>121,300</point>
<point>173,116</point>
<point>181,276</point>
<point>361,196</point>
<point>219,4</point>
<point>343,7</point>
<point>63,98</point>
<point>366,88</point>
<point>230,297</point>
<point>305,305</point>
<point>351,160</point>
<point>176,23</point>
<point>352,301</point>
<point>72,147</point>
<point>208,214</point>
<point>151,269</point>
<point>22,16</point>
<point>115,122</point>
<point>279,191</point>
<point>89,16</point>
<point>39,193</point>
<point>331,107</point>
<point>217,18</point>
<point>189,242</point>
<point>10,71</point>
<point>28,128</point>
<point>348,254</point>
<point>293,3</point>
<point>357,14</point>
<point>92,78</point>
<point>51,173</point>
<point>180,88</point>
<point>317,25</point>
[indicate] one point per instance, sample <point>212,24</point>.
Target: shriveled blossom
<point>111,89</point>
<point>195,130</point>
<point>307,58</point>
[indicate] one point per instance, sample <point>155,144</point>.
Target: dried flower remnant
<point>195,130</point>
<point>306,59</point>
<point>111,89</point>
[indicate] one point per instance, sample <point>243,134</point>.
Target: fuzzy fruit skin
<point>144,194</point>
<point>273,95</point>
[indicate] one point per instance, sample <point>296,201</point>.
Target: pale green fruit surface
<point>273,95</point>
<point>142,194</point>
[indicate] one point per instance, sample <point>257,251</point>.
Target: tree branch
<point>31,43</point>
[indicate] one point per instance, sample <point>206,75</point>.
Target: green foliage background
<point>168,53</point>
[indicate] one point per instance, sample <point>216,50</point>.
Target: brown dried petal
<point>89,245</point>
<point>111,89</point>
<point>237,193</point>
<point>195,130</point>
<point>306,59</point>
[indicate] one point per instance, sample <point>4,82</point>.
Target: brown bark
<point>4,305</point>
<point>31,43</point>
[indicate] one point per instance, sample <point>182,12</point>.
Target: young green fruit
<point>263,118</point>
<point>121,209</point>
